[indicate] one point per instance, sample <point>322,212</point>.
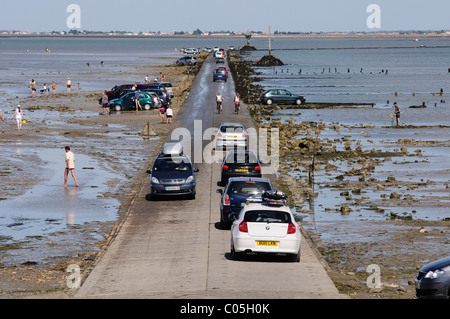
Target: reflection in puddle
<point>48,207</point>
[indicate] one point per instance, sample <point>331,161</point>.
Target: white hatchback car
<point>231,135</point>
<point>265,226</point>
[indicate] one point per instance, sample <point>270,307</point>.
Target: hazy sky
<point>232,15</point>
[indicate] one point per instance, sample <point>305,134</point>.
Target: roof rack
<point>275,198</point>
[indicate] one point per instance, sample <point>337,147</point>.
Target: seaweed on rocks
<point>243,72</point>
<point>269,60</point>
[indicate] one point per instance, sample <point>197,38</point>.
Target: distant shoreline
<point>356,35</point>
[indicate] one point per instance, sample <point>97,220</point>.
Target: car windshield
<point>248,188</point>
<point>231,129</point>
<point>172,164</point>
<point>267,216</point>
<point>241,157</point>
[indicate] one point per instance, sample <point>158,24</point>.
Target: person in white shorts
<point>70,166</point>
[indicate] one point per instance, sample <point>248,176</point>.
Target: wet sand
<point>46,227</point>
<point>376,217</point>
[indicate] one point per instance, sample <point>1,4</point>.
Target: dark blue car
<point>219,74</point>
<point>235,195</point>
<point>172,175</point>
<point>433,280</point>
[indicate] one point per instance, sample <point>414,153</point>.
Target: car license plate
<point>232,136</point>
<point>241,170</point>
<point>172,188</point>
<point>266,243</point>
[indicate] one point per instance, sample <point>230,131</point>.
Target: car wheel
<point>234,254</point>
<point>298,101</point>
<point>147,106</point>
<point>117,107</point>
<point>269,102</point>
<point>296,257</point>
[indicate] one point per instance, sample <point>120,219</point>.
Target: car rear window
<point>172,164</point>
<point>244,158</point>
<point>267,216</point>
<point>231,129</point>
<point>248,188</point>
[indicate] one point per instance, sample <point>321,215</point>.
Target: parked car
<point>231,135</point>
<point>187,60</point>
<point>235,195</point>
<point>220,60</point>
<point>172,173</point>
<point>433,280</point>
<point>116,92</point>
<point>191,51</point>
<point>219,74</point>
<point>126,102</point>
<point>161,93</point>
<point>280,96</point>
<point>239,163</point>
<point>167,86</point>
<point>266,226</point>
<point>219,54</point>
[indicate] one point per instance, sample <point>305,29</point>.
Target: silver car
<point>231,135</point>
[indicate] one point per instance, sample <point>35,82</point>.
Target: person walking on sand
<point>397,113</point>
<point>70,166</point>
<point>105,103</point>
<point>161,77</point>
<point>162,113</point>
<point>53,87</point>
<point>18,116</point>
<point>69,85</point>
<point>136,100</point>
<point>169,114</point>
<point>32,86</point>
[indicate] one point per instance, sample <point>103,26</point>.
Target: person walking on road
<point>70,166</point>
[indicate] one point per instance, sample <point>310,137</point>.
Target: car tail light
<point>291,229</point>
<point>243,227</point>
<point>226,200</point>
<point>225,167</point>
<point>257,168</point>
<point>244,135</point>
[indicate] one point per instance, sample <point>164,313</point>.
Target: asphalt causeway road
<point>175,249</point>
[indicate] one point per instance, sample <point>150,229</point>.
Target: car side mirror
<point>149,171</point>
<point>232,216</point>
<point>196,170</point>
<point>219,191</point>
<point>298,218</point>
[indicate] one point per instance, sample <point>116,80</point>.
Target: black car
<point>172,173</point>
<point>220,60</point>
<point>433,280</point>
<point>281,96</point>
<point>239,163</point>
<point>235,195</point>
